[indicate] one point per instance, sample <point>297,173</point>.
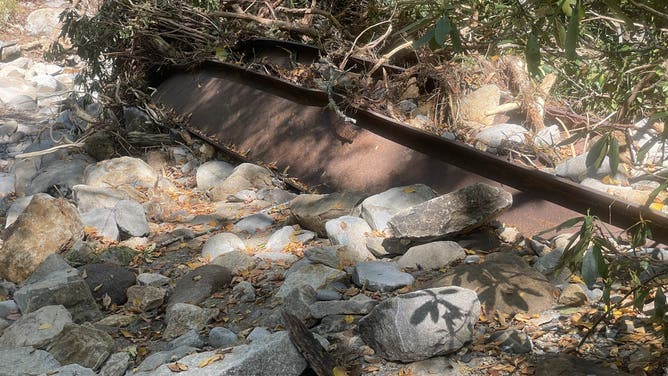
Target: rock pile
<point>175,263</point>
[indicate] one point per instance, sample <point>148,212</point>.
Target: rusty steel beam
<point>274,121</point>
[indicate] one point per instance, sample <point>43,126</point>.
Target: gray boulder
<point>83,345</point>
<point>497,137</point>
<point>421,324</point>
<point>131,219</point>
<point>182,317</point>
<point>145,298</point>
<point>235,261</point>
<point>287,234</point>
<point>358,305</point>
<point>63,174</point>
<point>504,282</point>
<point>43,21</point>
<point>451,214</point>
<point>313,211</point>
<point>260,358</point>
<point>576,168</point>
<point>378,209</point>
<point>109,279</point>
<point>351,232</point>
<point>433,255</point>
<point>211,173</point>
<point>257,222</point>
<point>159,358</point>
<point>222,337</point>
<point>199,284</point>
<point>222,243</point>
<point>381,276</point>
<point>244,176</point>
<point>26,361</point>
<point>71,370</point>
<point>116,364</point>
<point>121,171</point>
<point>103,220</point>
<point>36,328</point>
<point>61,287</point>
<point>313,275</point>
<point>89,197</point>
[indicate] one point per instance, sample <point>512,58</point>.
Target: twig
<point>320,12</point>
<point>342,66</point>
<point>50,150</point>
<point>387,56</point>
<point>283,25</point>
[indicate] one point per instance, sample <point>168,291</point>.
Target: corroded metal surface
<point>276,122</point>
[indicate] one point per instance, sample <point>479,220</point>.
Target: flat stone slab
<point>26,361</point>
<point>451,214</point>
<point>314,275</point>
<point>381,276</point>
<point>271,355</point>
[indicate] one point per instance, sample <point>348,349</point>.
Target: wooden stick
<point>283,25</point>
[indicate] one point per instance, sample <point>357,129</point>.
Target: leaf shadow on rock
<point>453,316</point>
<point>504,282</point>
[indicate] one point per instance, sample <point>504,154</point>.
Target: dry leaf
<point>177,367</point>
<point>126,333</point>
<point>339,371</point>
<point>211,359</point>
<point>349,319</point>
<point>45,325</point>
<point>409,190</point>
<point>343,225</point>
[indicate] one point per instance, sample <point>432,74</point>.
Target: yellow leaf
<point>656,206</point>
<point>349,319</point>
<point>209,360</point>
<point>409,190</point>
<point>46,325</point>
<point>339,371</point>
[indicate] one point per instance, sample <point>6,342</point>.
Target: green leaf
<point>572,35</point>
<point>660,307</point>
<point>429,35</point>
<point>613,155</point>
<point>414,26</point>
<point>589,269</point>
<point>640,297</point>
<point>642,153</point>
<point>567,7</point>
<point>655,192</point>
<point>601,266</point>
<point>564,225</point>
<point>572,138</point>
<point>560,33</point>
<point>597,153</point>
<point>441,30</point>
<point>532,54</point>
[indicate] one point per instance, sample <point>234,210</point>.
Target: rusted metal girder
<point>274,121</point>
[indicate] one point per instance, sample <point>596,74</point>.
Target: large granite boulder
<point>421,324</point>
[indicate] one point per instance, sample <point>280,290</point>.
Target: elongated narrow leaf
<point>647,146</point>
<point>441,30</point>
<point>564,225</point>
<point>413,26</point>
<point>660,307</point>
<point>572,138</point>
<point>429,35</point>
<point>589,269</point>
<point>613,155</point>
<point>559,33</point>
<point>532,54</point>
<point>640,298</point>
<point>597,153</point>
<point>573,33</point>
<point>601,266</point>
<point>567,7</point>
<point>655,192</point>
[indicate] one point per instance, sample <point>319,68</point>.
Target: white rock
<point>222,243</point>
